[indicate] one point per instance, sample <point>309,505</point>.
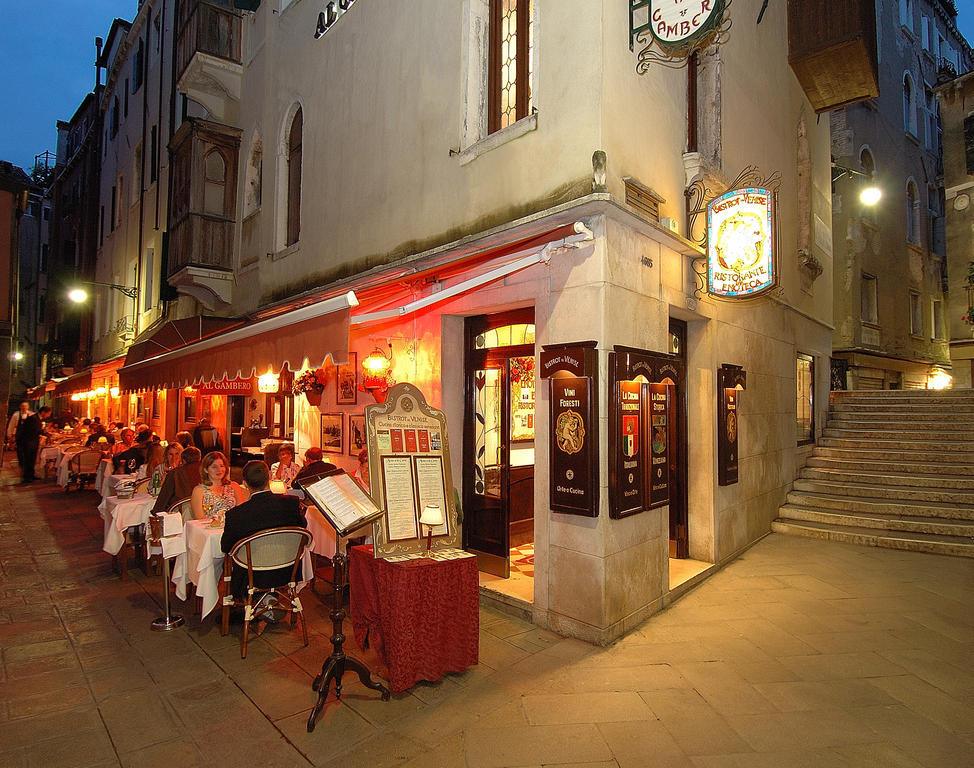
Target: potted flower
<point>309,384</point>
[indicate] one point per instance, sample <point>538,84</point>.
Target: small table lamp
<point>432,516</point>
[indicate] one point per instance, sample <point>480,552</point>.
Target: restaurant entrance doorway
<point>679,535</point>
<point>498,444</point>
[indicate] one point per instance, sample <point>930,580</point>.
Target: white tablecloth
<point>62,463</point>
<point>120,514</point>
<point>45,453</point>
<point>202,564</point>
<point>325,542</point>
<point>109,484</point>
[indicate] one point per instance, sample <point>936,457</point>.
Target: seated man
<point>180,482</point>
<point>132,458</point>
<point>313,464</point>
<point>262,511</point>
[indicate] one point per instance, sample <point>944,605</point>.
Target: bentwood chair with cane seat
<point>184,507</point>
<point>267,550</point>
<point>82,468</point>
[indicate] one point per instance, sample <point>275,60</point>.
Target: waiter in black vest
<point>28,437</point>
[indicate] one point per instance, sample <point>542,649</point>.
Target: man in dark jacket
<point>262,511</point>
<point>28,439</point>
<point>179,482</point>
<point>313,464</point>
<point>132,458</point>
<point>206,437</point>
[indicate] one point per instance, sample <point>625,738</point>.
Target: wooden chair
<point>82,468</point>
<point>183,507</point>
<point>265,551</point>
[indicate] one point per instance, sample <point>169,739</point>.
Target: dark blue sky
<point>47,52</point>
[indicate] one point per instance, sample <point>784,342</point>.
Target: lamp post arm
<point>129,290</point>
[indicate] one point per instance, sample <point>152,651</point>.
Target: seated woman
<point>217,492</point>
<point>154,457</point>
<point>285,468</point>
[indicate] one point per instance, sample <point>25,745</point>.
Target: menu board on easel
<point>409,465</point>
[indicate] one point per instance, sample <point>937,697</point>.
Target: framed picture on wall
<point>332,432</point>
<point>205,407</point>
<point>347,380</point>
<point>356,434</point>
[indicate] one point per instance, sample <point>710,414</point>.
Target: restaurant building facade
<point>511,216</point>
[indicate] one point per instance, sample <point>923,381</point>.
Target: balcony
<point>208,57</point>
<point>202,214</point>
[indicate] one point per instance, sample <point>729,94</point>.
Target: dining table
<point>121,514</point>
<point>110,483</point>
<point>202,564</point>
<point>65,455</point>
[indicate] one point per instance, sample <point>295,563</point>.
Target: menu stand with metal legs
<point>167,622</point>
<point>336,664</point>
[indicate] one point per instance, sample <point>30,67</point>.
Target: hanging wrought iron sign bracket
<point>671,31</point>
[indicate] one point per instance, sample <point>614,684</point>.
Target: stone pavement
<point>800,653</point>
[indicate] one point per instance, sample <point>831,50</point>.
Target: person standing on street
<point>18,416</point>
<point>28,439</point>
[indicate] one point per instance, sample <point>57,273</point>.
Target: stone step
<point>891,447</point>
<point>961,420</point>
<point>913,402</point>
<point>958,428</point>
<point>870,451</point>
<point>870,537</point>
<point>888,478</point>
<point>921,408</point>
<point>897,493</point>
<point>883,462</point>
<point>870,506</point>
<point>922,435</point>
<point>899,394</point>
<point>960,528</point>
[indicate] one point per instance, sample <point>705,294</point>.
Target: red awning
<point>178,333</point>
<point>305,337</point>
<point>79,382</point>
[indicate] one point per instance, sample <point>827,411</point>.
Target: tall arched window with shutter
<point>294,178</point>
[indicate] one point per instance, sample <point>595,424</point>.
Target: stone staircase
<point>894,469</point>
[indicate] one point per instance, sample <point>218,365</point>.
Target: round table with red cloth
<point>422,616</point>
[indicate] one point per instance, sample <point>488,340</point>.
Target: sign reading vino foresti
<point>573,473</point>
<point>741,259</point>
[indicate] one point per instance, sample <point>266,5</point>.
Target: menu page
<point>429,480</point>
<point>333,497</point>
<point>397,486</point>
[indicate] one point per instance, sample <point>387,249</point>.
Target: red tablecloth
<point>421,616</point>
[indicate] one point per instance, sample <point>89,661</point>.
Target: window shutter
<point>294,179</point>
<point>969,143</point>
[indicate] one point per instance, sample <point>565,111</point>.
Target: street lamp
<point>868,195</point>
<point>80,295</point>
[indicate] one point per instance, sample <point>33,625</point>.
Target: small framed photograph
<point>347,381</point>
<point>332,432</point>
<point>356,434</point>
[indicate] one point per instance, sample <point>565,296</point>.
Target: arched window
<point>912,213</point>
<point>909,105</point>
<point>214,184</point>
<point>294,178</point>
<point>867,163</point>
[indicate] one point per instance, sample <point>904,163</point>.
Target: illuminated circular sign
<point>676,24</point>
<point>741,244</point>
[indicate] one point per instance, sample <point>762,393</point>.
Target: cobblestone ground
<point>800,653</point>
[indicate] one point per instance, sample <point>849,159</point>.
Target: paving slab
<point>798,653</point>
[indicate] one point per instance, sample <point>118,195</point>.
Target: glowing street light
<point>78,295</point>
<point>870,195</point>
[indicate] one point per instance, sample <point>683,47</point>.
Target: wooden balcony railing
<point>207,27</point>
<point>199,240</point>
